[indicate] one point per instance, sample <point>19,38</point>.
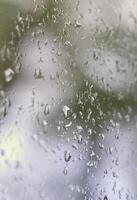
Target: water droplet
<point>92,154</point>
<point>34,137</point>
<point>110,150</point>
<point>79,138</point>
<point>65,110</point>
<point>77,24</point>
<point>105,197</point>
<point>4,103</point>
<point>38,74</point>
<point>80,129</point>
<point>44,123</point>
<point>67,43</point>
<point>74,146</point>
<point>68,125</point>
<point>8,73</point>
<point>67,156</point>
<point>47,110</point>
<point>65,171</point>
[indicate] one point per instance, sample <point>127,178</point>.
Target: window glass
<point>68,115</point>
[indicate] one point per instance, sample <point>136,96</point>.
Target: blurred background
<point>68,114</point>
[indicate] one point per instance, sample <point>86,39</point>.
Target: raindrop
<point>110,150</point>
<point>79,129</point>
<point>4,103</point>
<point>92,154</point>
<point>67,156</point>
<point>34,137</point>
<point>45,126</point>
<point>65,110</point>
<point>47,110</point>
<point>17,68</point>
<point>79,138</point>
<point>74,146</point>
<point>105,198</point>
<point>65,171</point>
<point>8,73</point>
<point>44,123</point>
<point>38,74</point>
<point>77,24</point>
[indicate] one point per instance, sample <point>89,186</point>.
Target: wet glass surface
<point>68,114</point>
